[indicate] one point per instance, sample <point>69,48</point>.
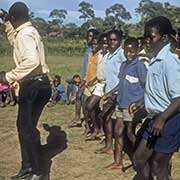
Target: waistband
<point>33,78</point>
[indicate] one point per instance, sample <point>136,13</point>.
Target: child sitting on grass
<point>58,92</point>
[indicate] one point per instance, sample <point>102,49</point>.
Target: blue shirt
<point>73,86</point>
<point>85,62</point>
<point>163,81</point>
<point>132,78</point>
<point>114,61</point>
<point>62,92</point>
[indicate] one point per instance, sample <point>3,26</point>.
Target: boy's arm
<point>142,72</point>
<point>110,93</point>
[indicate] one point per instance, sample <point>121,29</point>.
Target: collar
<point>110,55</point>
<point>162,54</point>
<point>28,23</point>
<point>133,62</point>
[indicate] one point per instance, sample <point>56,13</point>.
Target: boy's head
<point>114,39</point>
<point>157,32</point>
<point>131,48</point>
<point>76,79</point>
<point>18,13</point>
<point>94,44</point>
<point>57,80</point>
<point>103,41</point>
<point>91,33</point>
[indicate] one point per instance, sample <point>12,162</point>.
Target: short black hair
<point>19,11</point>
<point>131,40</point>
<point>118,33</point>
<point>163,25</point>
<point>76,76</point>
<point>57,77</point>
<point>94,31</point>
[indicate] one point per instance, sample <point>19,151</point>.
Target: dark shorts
<point>169,141</point>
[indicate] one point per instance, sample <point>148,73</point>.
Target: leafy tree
<point>58,15</point>
<point>41,25</point>
<point>86,10</point>
<point>118,14</point>
<point>148,9</point>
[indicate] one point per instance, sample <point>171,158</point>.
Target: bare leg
<point>160,166</point>
<point>140,161</point>
<point>78,104</point>
<point>91,105</point>
<point>118,135</point>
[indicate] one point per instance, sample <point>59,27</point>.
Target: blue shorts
<point>169,141</point>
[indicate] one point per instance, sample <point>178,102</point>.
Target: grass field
<point>74,158</point>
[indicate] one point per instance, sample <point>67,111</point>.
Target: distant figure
<point>72,88</point>
<point>58,91</point>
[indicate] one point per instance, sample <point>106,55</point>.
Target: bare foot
<point>105,150</point>
<point>114,166</point>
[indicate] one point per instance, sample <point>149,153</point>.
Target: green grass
<point>78,161</point>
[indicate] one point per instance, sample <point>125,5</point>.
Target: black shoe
<point>35,177</point>
<point>22,174</point>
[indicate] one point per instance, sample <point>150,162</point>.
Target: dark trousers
<point>33,96</point>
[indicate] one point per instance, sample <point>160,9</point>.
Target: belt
<point>33,78</point>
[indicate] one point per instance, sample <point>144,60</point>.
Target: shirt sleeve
<point>30,58</point>
<point>142,72</point>
<point>10,32</point>
<point>172,75</point>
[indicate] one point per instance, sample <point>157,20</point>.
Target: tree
<point>41,25</point>
<point>86,10</point>
<point>118,14</point>
<point>58,15</point>
<point>148,9</point>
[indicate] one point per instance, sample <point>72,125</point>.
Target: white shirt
<point>28,52</point>
<point>101,67</point>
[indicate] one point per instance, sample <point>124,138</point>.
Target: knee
<point>89,107</point>
<point>137,161</point>
<point>118,132</point>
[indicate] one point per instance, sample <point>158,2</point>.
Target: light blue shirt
<point>114,61</point>
<point>85,62</point>
<point>163,81</point>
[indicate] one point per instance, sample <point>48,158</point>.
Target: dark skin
<point>93,101</point>
<point>113,43</point>
<point>160,161</point>
<point>130,52</point>
<point>76,120</point>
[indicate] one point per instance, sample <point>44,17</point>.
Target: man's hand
<point>3,79</point>
<point>4,15</point>
<point>158,125</point>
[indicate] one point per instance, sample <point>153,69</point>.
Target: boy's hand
<point>133,107</point>
<point>158,125</point>
<point>4,15</point>
<point>82,83</point>
<point>106,96</point>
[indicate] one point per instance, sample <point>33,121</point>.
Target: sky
<point>42,8</point>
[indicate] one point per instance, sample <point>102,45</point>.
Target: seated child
<point>58,91</point>
<point>72,88</point>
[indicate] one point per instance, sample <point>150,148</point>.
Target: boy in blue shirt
<point>132,77</point>
<point>162,101</point>
<point>58,91</point>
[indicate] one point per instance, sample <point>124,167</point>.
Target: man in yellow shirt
<point>35,91</point>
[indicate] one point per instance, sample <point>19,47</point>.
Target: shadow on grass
<point>56,143</point>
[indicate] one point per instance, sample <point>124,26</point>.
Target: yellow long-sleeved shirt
<point>92,67</point>
<point>28,52</point>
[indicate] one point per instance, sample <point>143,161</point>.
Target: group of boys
<point>115,84</point>
<point>123,87</point>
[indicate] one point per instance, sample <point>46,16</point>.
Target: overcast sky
<point>41,8</point>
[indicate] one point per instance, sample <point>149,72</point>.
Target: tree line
<point>116,16</point>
